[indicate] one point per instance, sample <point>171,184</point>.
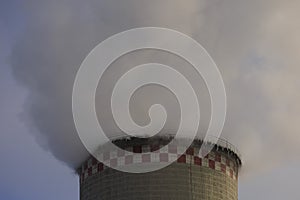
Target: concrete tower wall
<point>214,177</point>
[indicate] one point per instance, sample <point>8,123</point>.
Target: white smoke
<point>254,43</point>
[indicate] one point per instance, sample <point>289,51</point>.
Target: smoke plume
<point>254,43</point>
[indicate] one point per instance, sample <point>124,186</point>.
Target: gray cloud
<point>254,43</point>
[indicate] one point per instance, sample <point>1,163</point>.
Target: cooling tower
<point>214,177</point>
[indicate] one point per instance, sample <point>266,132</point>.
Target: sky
<point>255,44</point>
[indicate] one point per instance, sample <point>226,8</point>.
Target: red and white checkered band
<point>154,154</point>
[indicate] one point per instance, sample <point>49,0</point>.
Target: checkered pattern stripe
<point>154,154</point>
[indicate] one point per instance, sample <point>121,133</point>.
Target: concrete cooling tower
<point>214,177</point>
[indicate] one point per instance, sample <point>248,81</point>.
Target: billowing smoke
<point>254,43</point>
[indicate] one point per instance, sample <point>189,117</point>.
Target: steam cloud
<point>254,43</point>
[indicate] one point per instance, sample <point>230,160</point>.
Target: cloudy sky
<point>42,43</point>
